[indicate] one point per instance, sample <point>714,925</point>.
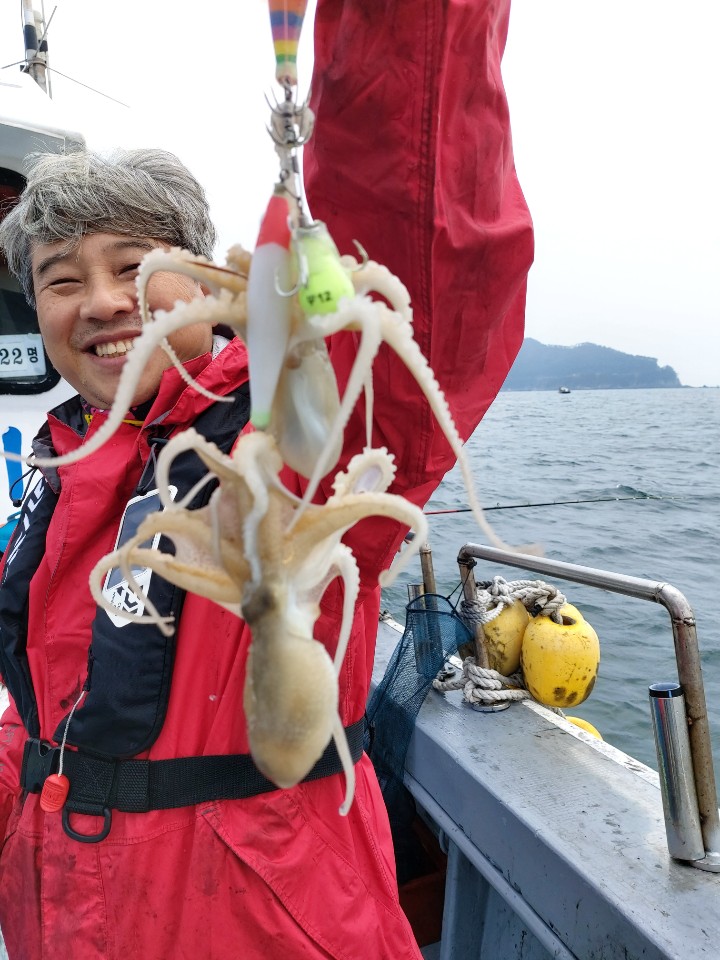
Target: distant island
<point>585,366</point>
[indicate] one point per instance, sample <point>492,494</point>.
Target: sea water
<point>539,447</point>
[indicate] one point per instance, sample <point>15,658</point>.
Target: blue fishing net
<point>433,633</point>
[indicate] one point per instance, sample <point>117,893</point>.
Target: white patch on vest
<point>122,597</point>
<point>116,588</point>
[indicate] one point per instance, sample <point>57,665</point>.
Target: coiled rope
<point>538,598</point>
<point>482,686</point>
<point>485,687</point>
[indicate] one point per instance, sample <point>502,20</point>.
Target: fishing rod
<point>549,503</point>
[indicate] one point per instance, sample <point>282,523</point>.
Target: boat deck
<point>556,841</point>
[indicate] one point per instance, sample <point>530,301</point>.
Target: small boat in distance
<point>564,390</point>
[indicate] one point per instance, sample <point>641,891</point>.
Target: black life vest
<point>129,667</point>
<point>129,675</point>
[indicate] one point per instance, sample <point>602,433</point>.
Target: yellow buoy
<point>585,725</point>
<point>560,660</point>
<point>504,636</point>
<point>568,610</point>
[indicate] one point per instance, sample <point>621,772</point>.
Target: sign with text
<point>22,355</point>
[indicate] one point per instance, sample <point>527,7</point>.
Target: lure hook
<point>302,280</point>
<point>364,258</point>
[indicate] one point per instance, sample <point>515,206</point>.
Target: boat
<point>547,841</point>
<point>540,840</point>
<point>29,121</point>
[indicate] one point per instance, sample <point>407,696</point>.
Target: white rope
<point>484,686</point>
<point>491,599</point>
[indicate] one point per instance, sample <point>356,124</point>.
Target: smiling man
<point>167,846</point>
<point>88,312</point>
<point>77,252</point>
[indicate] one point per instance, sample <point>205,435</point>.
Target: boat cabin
<point>28,123</point>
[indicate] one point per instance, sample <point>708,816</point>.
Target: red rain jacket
<point>412,156</point>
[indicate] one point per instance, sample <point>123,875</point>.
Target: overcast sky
<point>614,114</point>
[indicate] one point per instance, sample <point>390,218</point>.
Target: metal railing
<point>687,656</point>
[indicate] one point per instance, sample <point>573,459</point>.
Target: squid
<point>256,548</point>
<point>237,551</point>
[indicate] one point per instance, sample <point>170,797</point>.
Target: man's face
<point>89,315</point>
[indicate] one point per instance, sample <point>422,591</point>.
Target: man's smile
<point>115,348</point>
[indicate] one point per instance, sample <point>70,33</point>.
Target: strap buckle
<point>40,759</point>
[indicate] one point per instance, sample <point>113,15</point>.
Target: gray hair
<point>141,193</point>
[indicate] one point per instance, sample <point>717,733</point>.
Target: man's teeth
<point>120,348</point>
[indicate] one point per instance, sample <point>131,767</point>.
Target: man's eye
<point>60,280</point>
<point>131,268</point>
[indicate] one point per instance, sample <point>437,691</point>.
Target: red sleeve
<point>412,155</point>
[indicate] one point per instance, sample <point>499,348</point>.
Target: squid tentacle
<point>377,278</point>
<point>121,560</point>
<point>191,381</point>
<point>218,464</point>
<point>143,347</point>
<point>399,337</point>
<point>371,471</point>
<point>197,268</point>
<point>335,518</point>
<point>226,569</point>
<point>341,745</point>
<point>346,317</point>
<point>345,564</point>
<point>202,270</point>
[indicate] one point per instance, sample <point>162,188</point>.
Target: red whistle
<point>54,792</point>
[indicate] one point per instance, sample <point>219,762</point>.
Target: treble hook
<point>301,281</point>
<point>304,272</point>
<point>363,257</point>
<point>294,124</point>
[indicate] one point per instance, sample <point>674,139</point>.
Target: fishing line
<point>88,87</point>
<point>549,503</point>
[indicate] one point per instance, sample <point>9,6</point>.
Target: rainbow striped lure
<point>286,20</point>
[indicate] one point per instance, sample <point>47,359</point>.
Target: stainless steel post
<point>687,655</point>
<point>677,782</point>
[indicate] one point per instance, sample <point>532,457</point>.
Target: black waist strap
<point>98,786</point>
